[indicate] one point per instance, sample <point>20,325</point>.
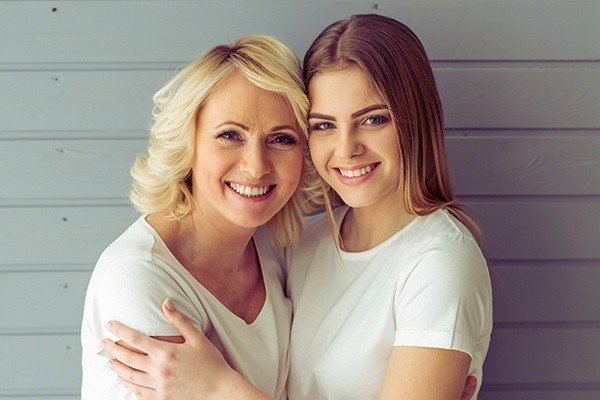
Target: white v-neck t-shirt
<point>137,272</point>
<point>427,286</point>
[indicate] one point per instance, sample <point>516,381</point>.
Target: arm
<point>195,369</point>
<point>440,314</point>
<point>137,284</point>
<point>188,371</point>
<point>425,373</point>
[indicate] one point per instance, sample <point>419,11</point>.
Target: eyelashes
<point>376,120</point>
<point>370,121</point>
<point>322,126</point>
<point>284,140</point>
<point>275,140</point>
<point>229,135</point>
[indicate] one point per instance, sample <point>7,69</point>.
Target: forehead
<point>347,88</point>
<point>236,98</point>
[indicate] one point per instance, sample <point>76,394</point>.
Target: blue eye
<point>375,120</point>
<point>283,140</point>
<point>229,135</point>
<point>323,126</point>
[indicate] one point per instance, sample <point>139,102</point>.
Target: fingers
<point>133,338</point>
<point>140,392</point>
<point>129,375</point>
<point>124,354</point>
<point>470,387</point>
<point>189,332</point>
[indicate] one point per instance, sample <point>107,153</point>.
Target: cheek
<point>297,166</point>
<point>317,154</point>
<point>289,166</point>
<point>210,162</point>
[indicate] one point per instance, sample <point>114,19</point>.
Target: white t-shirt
<point>137,272</point>
<point>427,286</point>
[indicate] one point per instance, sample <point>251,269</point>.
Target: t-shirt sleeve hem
<point>438,340</point>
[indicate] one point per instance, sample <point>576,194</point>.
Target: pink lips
<point>355,174</point>
<point>251,192</point>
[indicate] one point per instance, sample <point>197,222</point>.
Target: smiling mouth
<point>356,173</point>
<point>250,191</point>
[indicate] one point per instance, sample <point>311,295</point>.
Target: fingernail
<point>472,381</point>
<point>110,364</point>
<point>103,343</point>
<point>109,325</point>
<point>169,305</point>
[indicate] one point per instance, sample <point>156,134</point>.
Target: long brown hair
<point>397,64</point>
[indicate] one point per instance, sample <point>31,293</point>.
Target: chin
<point>254,221</point>
<point>357,201</point>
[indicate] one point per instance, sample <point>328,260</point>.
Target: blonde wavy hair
<point>161,177</point>
<point>397,64</point>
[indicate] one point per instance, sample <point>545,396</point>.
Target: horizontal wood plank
<point>60,235</point>
<point>40,365</point>
<point>473,98</point>
<point>543,356</point>
<point>79,100</point>
<point>118,31</point>
<point>526,97</point>
<point>546,294</point>
<point>561,164</point>
<point>42,397</point>
<point>67,169</point>
<point>42,302</point>
<point>539,229</point>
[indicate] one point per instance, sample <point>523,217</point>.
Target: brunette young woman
<point>390,291</point>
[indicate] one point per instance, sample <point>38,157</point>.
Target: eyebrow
<point>244,127</point>
<point>368,109</point>
<point>283,127</point>
<point>353,115</point>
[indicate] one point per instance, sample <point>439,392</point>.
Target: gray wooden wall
<point>521,87</point>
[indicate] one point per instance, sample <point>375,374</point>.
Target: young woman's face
<point>248,154</point>
<point>352,140</point>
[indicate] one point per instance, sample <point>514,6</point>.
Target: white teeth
<point>249,191</point>
<point>356,172</point>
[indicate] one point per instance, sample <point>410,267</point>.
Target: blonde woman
<point>227,154</point>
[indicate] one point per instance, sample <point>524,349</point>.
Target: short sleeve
<point>445,301</point>
<point>131,291</point>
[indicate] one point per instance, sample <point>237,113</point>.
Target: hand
<point>158,370</point>
<point>469,389</point>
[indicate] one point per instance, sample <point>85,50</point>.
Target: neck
<point>365,227</point>
<point>201,245</point>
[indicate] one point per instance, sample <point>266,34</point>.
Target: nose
<point>348,144</point>
<point>255,160</point>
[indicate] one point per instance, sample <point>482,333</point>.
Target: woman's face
<point>352,140</point>
<point>248,154</point>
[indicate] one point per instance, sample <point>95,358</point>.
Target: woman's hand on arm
<point>427,373</point>
<point>157,370</point>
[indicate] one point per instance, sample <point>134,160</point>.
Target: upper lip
<point>250,184</point>
<point>357,167</point>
